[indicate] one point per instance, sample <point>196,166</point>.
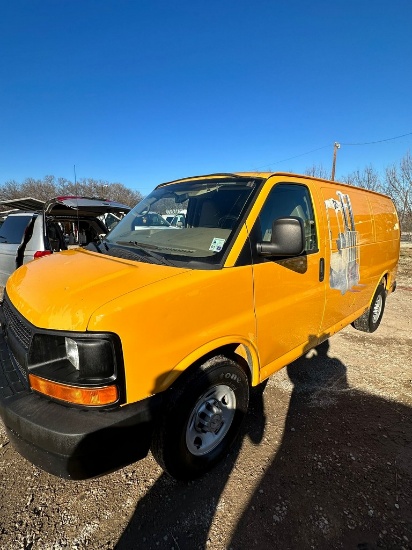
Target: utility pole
<point>336,146</point>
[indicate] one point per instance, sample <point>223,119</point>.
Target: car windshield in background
<point>207,213</point>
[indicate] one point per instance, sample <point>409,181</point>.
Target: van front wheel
<point>370,320</point>
<point>201,419</point>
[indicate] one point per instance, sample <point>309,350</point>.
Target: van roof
<point>266,175</point>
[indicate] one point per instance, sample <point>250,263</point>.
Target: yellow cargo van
<point>97,367</point>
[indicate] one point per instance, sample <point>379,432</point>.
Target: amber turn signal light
<point>104,395</point>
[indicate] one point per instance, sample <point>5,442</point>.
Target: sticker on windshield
<point>217,245</point>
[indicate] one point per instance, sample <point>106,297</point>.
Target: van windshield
<point>192,220</point>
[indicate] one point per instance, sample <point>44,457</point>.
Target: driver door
<point>289,292</point>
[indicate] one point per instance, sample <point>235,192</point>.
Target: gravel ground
<point>325,462</point>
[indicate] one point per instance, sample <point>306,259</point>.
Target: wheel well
<point>383,281</point>
<point>241,355</point>
<point>237,352</point>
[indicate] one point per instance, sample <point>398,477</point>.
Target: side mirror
<point>288,237</point>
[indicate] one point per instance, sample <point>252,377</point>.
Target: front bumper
<point>71,442</point>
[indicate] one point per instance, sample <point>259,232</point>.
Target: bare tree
<point>317,171</point>
<point>118,192</point>
<point>49,187</point>
<point>10,190</point>
<point>367,178</point>
<point>399,187</point>
<point>39,189</point>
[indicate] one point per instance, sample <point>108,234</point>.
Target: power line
<point>379,141</point>
<point>332,145</point>
<point>295,157</point>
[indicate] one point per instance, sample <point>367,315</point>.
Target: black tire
<point>370,320</point>
<point>201,418</point>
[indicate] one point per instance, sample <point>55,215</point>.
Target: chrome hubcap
<point>377,308</point>
<point>210,419</point>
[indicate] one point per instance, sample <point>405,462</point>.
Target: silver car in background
<point>37,229</point>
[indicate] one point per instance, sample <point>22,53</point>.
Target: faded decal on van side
<point>344,243</point>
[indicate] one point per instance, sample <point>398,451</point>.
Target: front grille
<point>16,325</point>
<point>22,370</point>
<point>12,380</point>
<point>15,341</point>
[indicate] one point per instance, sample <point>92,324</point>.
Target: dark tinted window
<point>12,230</point>
<point>289,200</point>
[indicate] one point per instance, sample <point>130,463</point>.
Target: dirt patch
<point>325,462</point>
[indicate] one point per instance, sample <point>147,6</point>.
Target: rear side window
<point>12,230</point>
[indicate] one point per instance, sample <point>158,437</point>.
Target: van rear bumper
<point>71,442</point>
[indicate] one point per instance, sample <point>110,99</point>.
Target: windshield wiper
<point>148,250</point>
<point>92,246</point>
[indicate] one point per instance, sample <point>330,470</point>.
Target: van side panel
<point>387,236</point>
<point>363,247</point>
<point>348,229</point>
<point>385,219</point>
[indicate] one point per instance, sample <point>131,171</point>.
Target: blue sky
<point>145,91</point>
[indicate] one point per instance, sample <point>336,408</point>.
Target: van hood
<point>62,291</point>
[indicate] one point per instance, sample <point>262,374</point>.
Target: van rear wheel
<point>370,320</point>
<point>201,418</point>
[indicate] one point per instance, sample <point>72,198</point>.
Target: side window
<point>13,228</point>
<point>289,200</point>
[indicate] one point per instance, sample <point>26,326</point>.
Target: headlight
<point>72,352</point>
<point>83,368</point>
<point>92,357</point>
